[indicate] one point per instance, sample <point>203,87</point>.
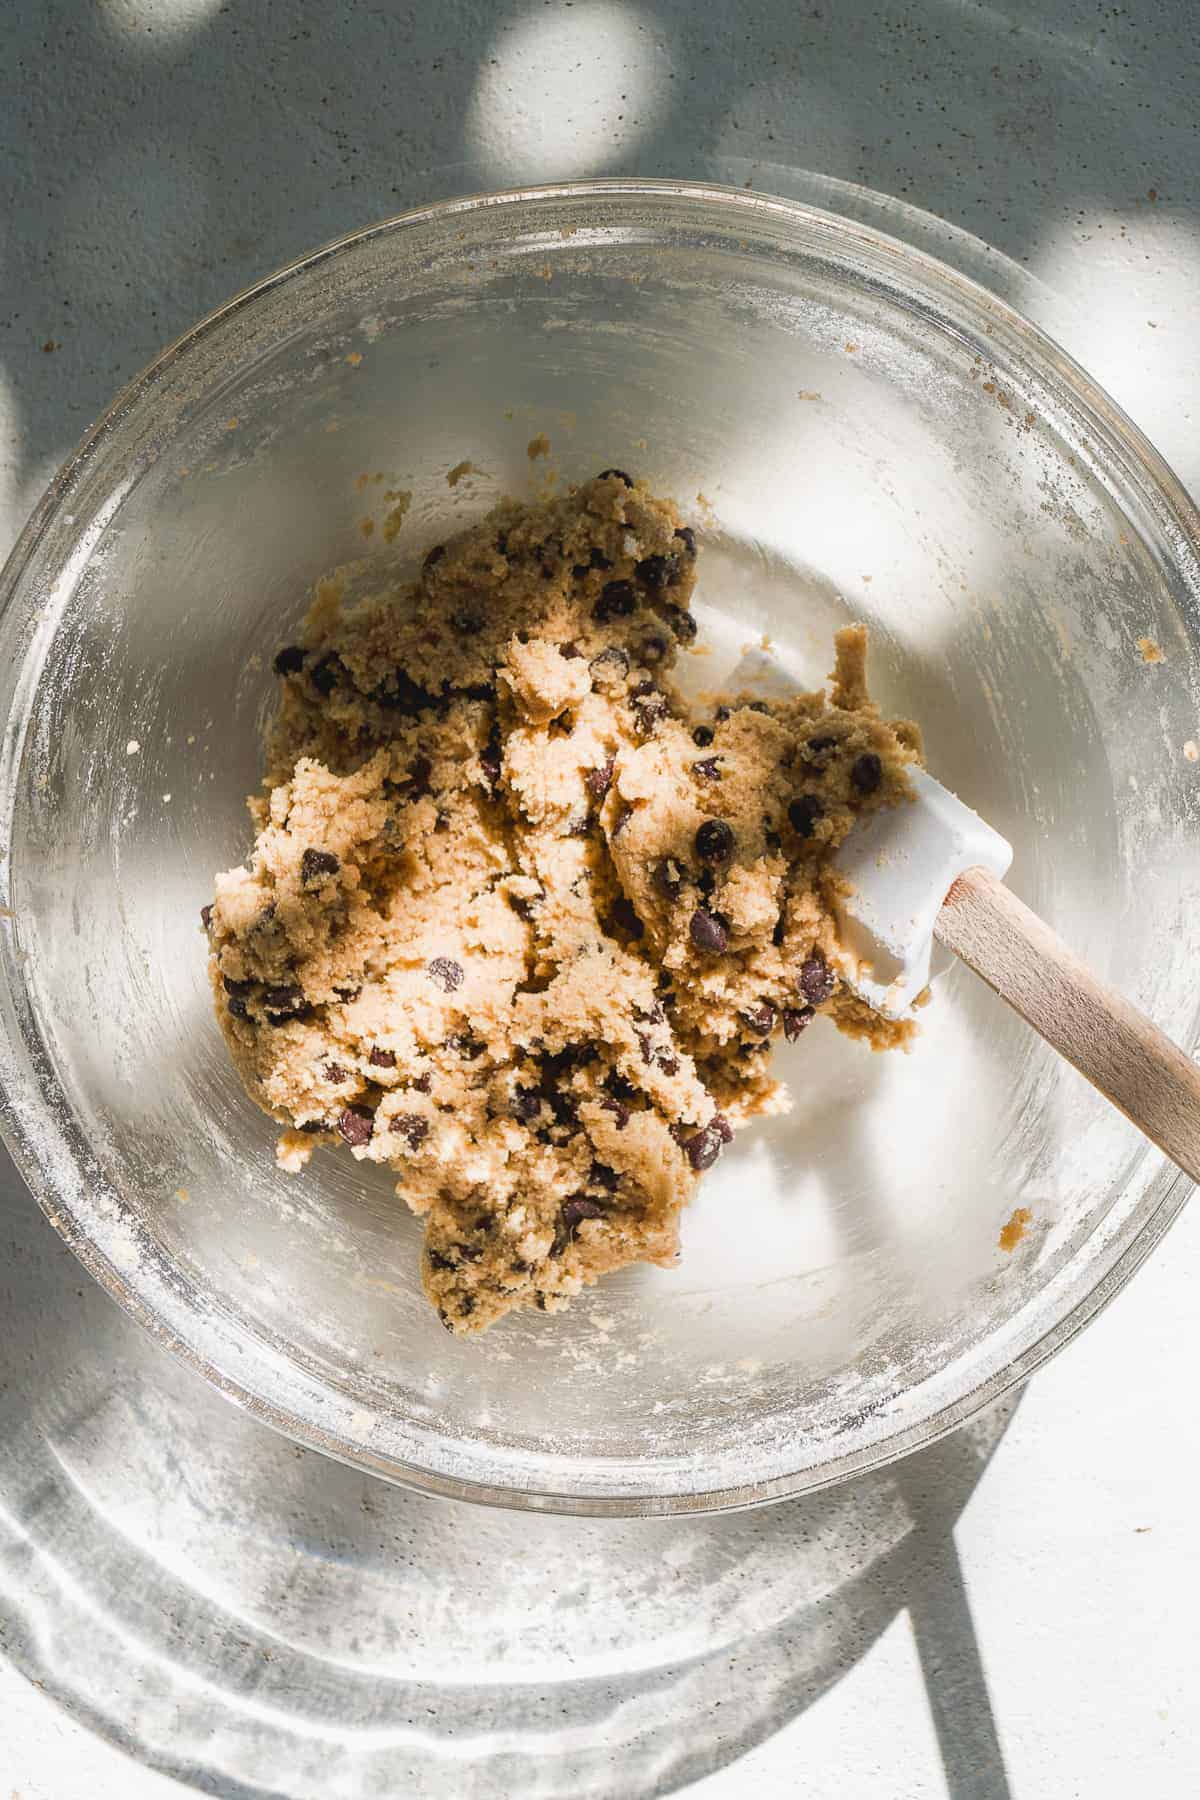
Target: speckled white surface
<point>160,153</point>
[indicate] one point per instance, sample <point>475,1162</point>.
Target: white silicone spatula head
<point>925,876</point>
<point>898,865</point>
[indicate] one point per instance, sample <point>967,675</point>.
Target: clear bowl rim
<point>1135,1235</point>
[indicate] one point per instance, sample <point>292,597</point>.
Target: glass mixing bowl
<point>858,432</point>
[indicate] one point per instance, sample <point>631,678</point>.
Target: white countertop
<point>160,154</point>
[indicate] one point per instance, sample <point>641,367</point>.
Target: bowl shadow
<point>257,1620</point>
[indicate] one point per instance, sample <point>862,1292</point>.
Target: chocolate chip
<point>720,1124</point>
<point>347,994</point>
<point>525,1105</point>
<point>356,1124</point>
<point>617,600</point>
<point>650,708</point>
<point>466,1046</point>
<point>422,1084</point>
<point>238,1007</point>
<point>400,693</point>
<point>466,622</point>
<point>434,556</point>
<point>621,821</point>
<point>669,877</point>
<point>815,980</point>
<point>703,736</point>
<point>326,674</point>
<point>611,664</point>
<point>490,763</point>
<point>708,769</point>
<point>706,881</point>
<point>795,1022</point>
<point>598,781</point>
<point>445,973</point>
<point>708,933</point>
<point>703,1149</point>
<point>570,1217</point>
<point>758,706</point>
<point>439,1260</point>
<point>616,1084</point>
<point>570,652</point>
<point>667,1063</point>
<point>600,1175</point>
<point>656,572</point>
<point>579,825</point>
<point>622,914</point>
<point>312,1126</point>
<point>284,999</point>
<point>316,866</point>
<point>760,1018</point>
<point>236,987</point>
<point>334,1072</point>
<point>206,917</point>
<point>290,660</point>
<point>381,1059</point>
<point>653,651</point>
<point>620,1113</point>
<point>682,624</point>
<point>780,930</point>
<point>645,1046</point>
<point>688,538</point>
<point>596,560</point>
<point>620,475</point>
<point>469,1252</point>
<point>714,841</point>
<point>866,772</point>
<point>410,1126</point>
<point>418,780</point>
<point>818,745</point>
<point>803,813</point>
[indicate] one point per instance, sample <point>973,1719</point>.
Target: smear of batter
<point>516,924</point>
<point>1012,1233</point>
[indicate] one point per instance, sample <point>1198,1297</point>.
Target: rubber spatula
<point>930,873</point>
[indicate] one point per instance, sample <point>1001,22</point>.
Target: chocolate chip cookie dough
<point>515,923</point>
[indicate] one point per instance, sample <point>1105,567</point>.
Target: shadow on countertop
<point>259,1621</point>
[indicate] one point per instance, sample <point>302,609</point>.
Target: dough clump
<point>518,924</point>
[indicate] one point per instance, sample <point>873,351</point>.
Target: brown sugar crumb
<point>456,474</point>
<point>1150,651</point>
<point>1012,1233</point>
<point>538,446</point>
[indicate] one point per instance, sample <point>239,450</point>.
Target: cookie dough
<point>516,924</point>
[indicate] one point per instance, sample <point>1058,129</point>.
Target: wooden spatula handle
<point>1120,1051</point>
